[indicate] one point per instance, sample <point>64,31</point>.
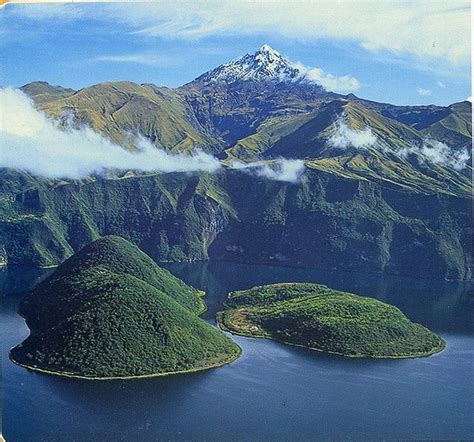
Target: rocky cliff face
<point>323,221</point>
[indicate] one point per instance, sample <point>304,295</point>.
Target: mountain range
<point>385,187</point>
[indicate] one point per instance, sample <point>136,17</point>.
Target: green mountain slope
<point>455,128</point>
<point>310,139</point>
<point>122,110</point>
<point>43,92</point>
<point>253,147</point>
<point>327,220</point>
<point>395,159</point>
<point>236,110</point>
<point>385,207</point>
<point>110,312</point>
<point>320,318</point>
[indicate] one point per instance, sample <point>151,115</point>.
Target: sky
<point>401,52</point>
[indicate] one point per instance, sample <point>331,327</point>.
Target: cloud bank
<point>285,170</point>
<point>440,153</point>
<point>345,137</point>
<point>32,142</point>
<point>342,84</point>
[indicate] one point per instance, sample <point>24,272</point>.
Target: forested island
<point>319,318</point>
<point>110,312</point>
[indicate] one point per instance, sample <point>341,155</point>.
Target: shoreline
<point>201,294</point>
<point>122,378</point>
<point>432,352</point>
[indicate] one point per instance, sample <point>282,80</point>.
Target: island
<point>320,318</point>
<point>111,312</point>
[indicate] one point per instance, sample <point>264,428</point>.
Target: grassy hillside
<point>306,135</point>
<point>455,128</point>
<point>121,110</point>
<point>110,312</point>
<point>320,318</point>
<point>42,92</point>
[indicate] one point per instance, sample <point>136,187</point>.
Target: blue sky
<point>398,52</point>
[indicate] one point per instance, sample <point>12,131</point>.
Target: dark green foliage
<point>109,311</point>
<point>326,221</point>
<point>320,318</point>
<point>115,254</point>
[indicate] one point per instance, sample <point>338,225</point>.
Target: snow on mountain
<point>265,65</point>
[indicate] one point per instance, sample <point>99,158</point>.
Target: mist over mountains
<point>283,170</point>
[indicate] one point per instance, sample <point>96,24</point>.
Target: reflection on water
<point>19,279</point>
<point>273,391</point>
<point>439,304</point>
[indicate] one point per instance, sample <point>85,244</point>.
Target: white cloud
<point>423,92</point>
<point>345,137</point>
<point>33,142</point>
<point>440,84</point>
<point>146,59</point>
<point>30,141</point>
<point>469,98</point>
<point>436,30</point>
<point>278,170</point>
<point>421,28</point>
<point>440,153</point>
<point>330,82</point>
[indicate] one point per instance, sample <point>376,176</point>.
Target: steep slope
<point>110,312</point>
<point>455,128</point>
<point>265,65</point>
<point>235,98</point>
<point>253,147</point>
<point>327,139</point>
<point>320,318</point>
<point>327,220</point>
<point>311,139</point>
<point>122,257</point>
<point>258,109</point>
<point>236,110</point>
<point>123,110</point>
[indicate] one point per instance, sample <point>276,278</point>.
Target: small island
<point>319,318</point>
<point>109,312</point>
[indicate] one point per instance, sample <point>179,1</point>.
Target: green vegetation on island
<point>110,312</point>
<point>320,318</point>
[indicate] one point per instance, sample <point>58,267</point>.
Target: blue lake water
<point>273,392</point>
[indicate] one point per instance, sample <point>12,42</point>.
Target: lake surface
<point>273,392</point>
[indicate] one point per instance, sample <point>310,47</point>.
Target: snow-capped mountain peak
<point>264,65</point>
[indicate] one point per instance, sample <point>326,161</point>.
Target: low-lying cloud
<point>345,137</point>
<point>440,153</point>
<point>342,84</point>
<point>285,170</point>
<point>35,143</point>
<point>47,148</point>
